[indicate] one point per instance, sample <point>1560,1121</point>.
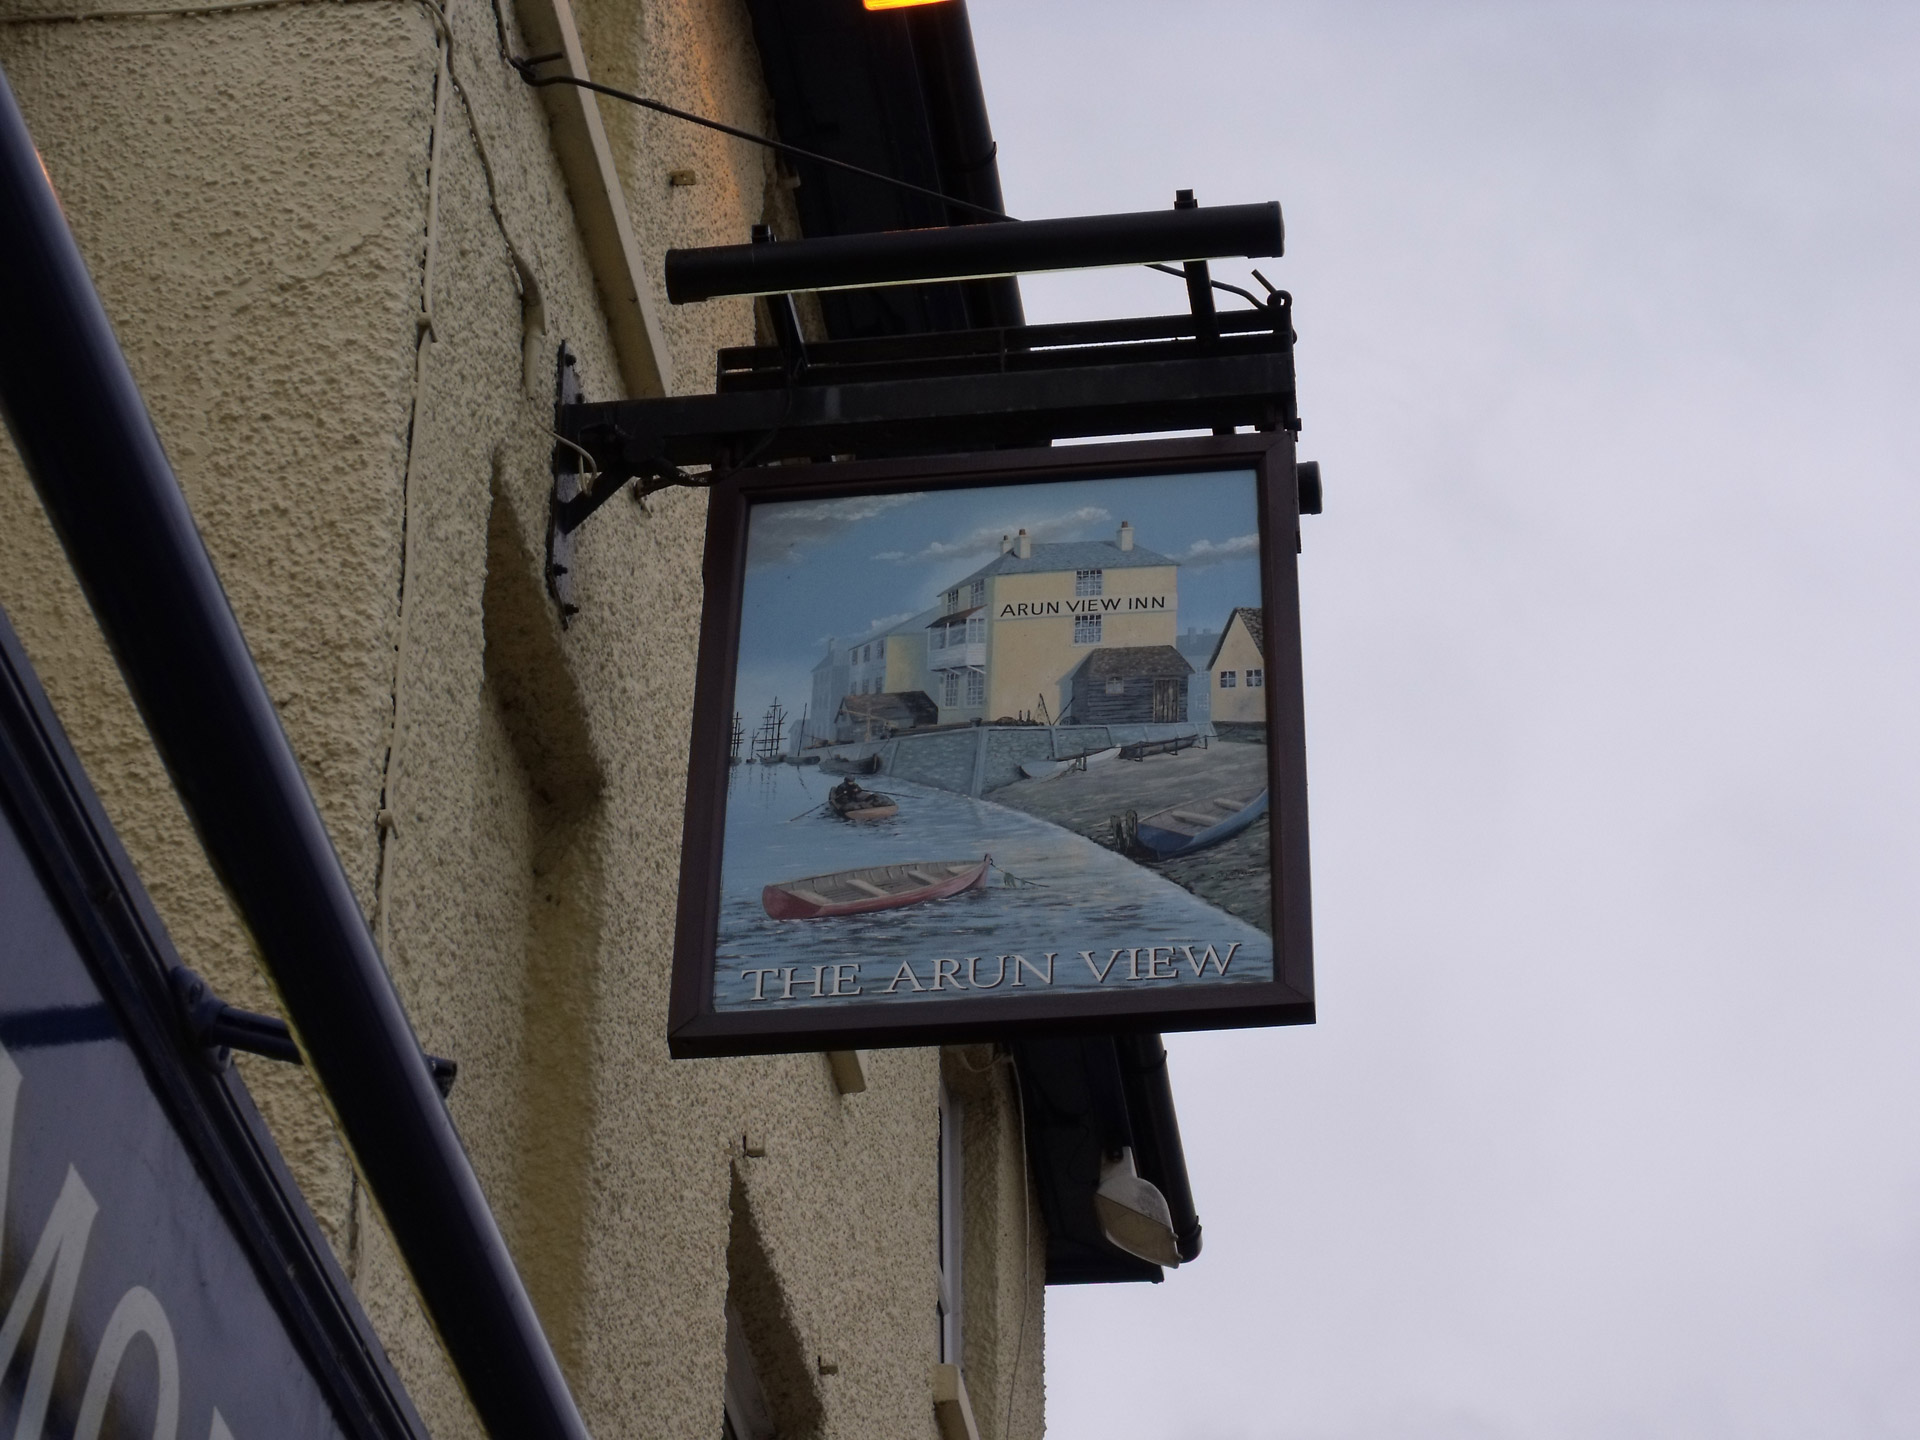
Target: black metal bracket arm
<point>1018,386</point>
<point>221,1028</point>
<point>934,393</point>
<point>1024,385</point>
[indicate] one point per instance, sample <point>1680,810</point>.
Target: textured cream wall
<point>252,192</point>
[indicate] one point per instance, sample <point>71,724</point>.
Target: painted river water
<point>1077,916</point>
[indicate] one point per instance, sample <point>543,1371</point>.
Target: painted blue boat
<point>1195,824</point>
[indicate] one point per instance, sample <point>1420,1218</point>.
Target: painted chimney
<point>1126,536</point>
<point>1023,546</point>
<point>1006,543</point>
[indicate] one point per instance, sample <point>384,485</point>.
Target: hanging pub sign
<point>159,1273</point>
<point>998,742</point>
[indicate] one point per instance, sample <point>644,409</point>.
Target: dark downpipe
<point>84,432</point>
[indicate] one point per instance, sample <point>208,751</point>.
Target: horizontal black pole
<point>969,252</point>
<point>90,446</point>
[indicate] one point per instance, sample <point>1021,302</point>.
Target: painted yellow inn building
<point>1048,606</point>
<point>1081,630</point>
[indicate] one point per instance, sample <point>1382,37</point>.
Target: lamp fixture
<point>1133,1213</point>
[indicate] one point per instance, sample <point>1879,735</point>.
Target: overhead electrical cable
<point>526,69</point>
<point>525,65</point>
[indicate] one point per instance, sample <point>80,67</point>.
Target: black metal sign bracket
<point>220,1028</point>
<point>1005,387</point>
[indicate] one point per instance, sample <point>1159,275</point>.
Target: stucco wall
<point>269,200</point>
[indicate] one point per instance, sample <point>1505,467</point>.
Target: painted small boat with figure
<point>1195,824</point>
<point>850,802</point>
<point>877,887</point>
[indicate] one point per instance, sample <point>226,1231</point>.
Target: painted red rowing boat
<point>878,887</point>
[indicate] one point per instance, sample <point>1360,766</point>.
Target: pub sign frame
<point>701,1025</point>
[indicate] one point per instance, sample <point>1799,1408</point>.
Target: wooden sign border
<point>696,1028</point>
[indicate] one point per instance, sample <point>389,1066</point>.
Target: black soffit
<point>899,92</point>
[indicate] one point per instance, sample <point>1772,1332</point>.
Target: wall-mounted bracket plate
<point>570,483</point>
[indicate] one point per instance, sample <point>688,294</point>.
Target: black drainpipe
<point>90,446</point>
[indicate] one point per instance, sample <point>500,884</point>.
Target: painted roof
<point>955,618</point>
<point>1252,621</point>
<point>1071,555</point>
<point>1134,662</point>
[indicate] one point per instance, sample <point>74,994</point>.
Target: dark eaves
<point>900,92</point>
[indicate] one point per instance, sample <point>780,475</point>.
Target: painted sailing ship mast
<point>736,740</point>
<point>770,737</point>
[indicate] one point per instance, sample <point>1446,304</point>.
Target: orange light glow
<point>898,4</point>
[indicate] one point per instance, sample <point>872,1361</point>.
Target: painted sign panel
<point>158,1274</point>
<point>957,726</point>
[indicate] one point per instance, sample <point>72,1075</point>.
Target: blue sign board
<point>160,1275</point>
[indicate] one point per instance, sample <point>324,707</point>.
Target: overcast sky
<point>1609,346</point>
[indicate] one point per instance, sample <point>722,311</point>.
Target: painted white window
<point>940,637</point>
<point>977,593</point>
<point>1229,679</point>
<point>1256,678</point>
<point>952,688</point>
<point>947,1179</point>
<point>1116,685</point>
<point>953,600</point>
<point>977,630</point>
<point>1089,582</point>
<point>976,687</point>
<point>1086,629</point>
